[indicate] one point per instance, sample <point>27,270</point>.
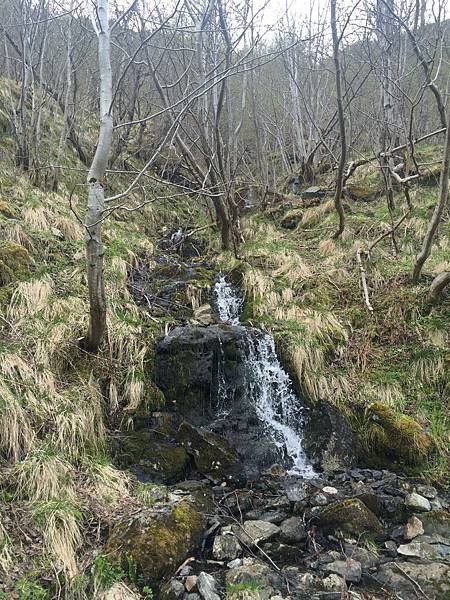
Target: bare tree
<point>96,198</point>
<point>341,117</point>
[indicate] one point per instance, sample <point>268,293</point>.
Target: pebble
<point>328,489</point>
<point>391,548</point>
<point>237,562</point>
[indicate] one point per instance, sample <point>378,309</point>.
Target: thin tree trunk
<point>96,198</point>
<point>341,167</point>
<point>437,287</point>
<point>439,209</point>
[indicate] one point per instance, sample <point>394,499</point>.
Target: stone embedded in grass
<point>350,517</point>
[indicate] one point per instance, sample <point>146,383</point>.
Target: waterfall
<point>269,387</point>
<point>228,301</point>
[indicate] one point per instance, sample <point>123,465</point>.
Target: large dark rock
<point>350,517</point>
<point>203,374</point>
<point>328,439</point>
<point>213,456</point>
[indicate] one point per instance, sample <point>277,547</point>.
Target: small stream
<point>269,387</point>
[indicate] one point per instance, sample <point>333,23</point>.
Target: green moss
<point>385,436</point>
<point>159,544</point>
<point>6,210</point>
<point>14,262</point>
<point>349,517</point>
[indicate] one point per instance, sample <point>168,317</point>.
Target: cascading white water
<point>228,301</point>
<point>269,386</point>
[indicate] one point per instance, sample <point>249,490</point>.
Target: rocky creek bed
<point>357,534</point>
<point>226,515</point>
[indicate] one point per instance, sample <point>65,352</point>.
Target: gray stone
<point>251,570</point>
<point>292,530</point>
<point>329,490</point>
<point>418,550</point>
<point>296,491</point>
<point>319,500</point>
<point>391,548</point>
<point>273,516</point>
<point>428,491</point>
<point>226,547</point>
<point>207,587</point>
<point>417,502</point>
<point>172,590</point>
<point>334,583</point>
<point>413,528</point>
<point>237,562</point>
<point>367,558</point>
<point>193,596</point>
<point>253,532</point>
<point>349,569</point>
<point>436,522</point>
<point>432,577</point>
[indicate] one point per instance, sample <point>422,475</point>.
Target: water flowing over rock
<point>228,378</point>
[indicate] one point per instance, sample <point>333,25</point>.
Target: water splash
<point>228,301</point>
<point>269,386</point>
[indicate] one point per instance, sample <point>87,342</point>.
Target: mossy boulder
<point>292,218</point>
<point>213,456</point>
<point>152,456</point>
<point>387,437</point>
<point>14,262</point>
<point>350,517</point>
<point>362,193</point>
<point>158,542</point>
<point>140,416</point>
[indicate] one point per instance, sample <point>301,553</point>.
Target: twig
<point>362,271</point>
<point>388,232</point>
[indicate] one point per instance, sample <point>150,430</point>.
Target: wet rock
<point>207,586</point>
<point>251,571</point>
<point>152,456</point>
<point>436,522</point>
<point>292,530</point>
<point>226,547</point>
<point>172,590</point>
<point>348,569</point>
<point>433,578</point>
<point>196,365</point>
<point>282,553</point>
<point>350,517</point>
<point>213,456</point>
<point>413,528</point>
<point>158,542</point>
<point>328,438</point>
<point>417,502</point>
<point>296,490</point>
<point>253,532</point>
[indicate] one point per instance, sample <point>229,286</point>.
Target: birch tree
<point>96,193</point>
